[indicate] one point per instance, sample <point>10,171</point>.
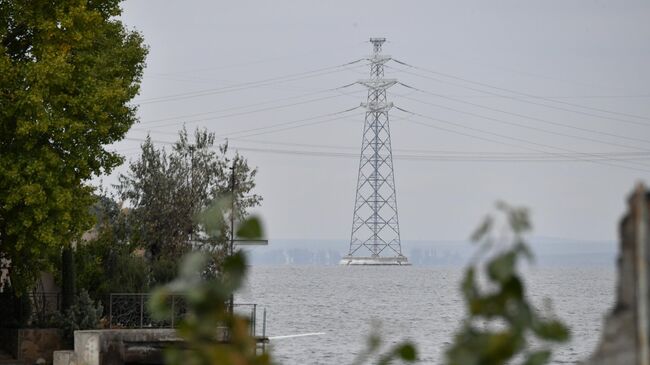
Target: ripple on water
<point>422,304</point>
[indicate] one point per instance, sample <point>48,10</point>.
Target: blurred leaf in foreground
<point>501,322</point>
<point>211,333</point>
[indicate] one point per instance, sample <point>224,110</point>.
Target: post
<point>231,303</point>
<point>141,310</point>
<point>110,310</point>
<point>642,276</point>
<point>264,332</point>
<point>254,319</point>
<point>173,311</point>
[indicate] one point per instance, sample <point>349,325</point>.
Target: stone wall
<point>31,344</point>
<point>38,343</point>
<point>118,346</point>
<point>122,346</point>
<point>622,336</point>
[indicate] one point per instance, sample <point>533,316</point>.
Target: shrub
<point>84,314</point>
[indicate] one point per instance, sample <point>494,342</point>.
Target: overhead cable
<point>287,125</point>
<point>530,127</point>
<point>520,92</point>
<point>521,140</point>
<point>526,100</point>
<point>476,157</point>
<point>626,155</point>
<point>246,85</point>
<point>276,107</point>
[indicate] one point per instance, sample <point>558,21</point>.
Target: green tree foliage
<point>173,195</point>
<point>501,322</point>
<point>68,70</point>
<point>107,262</point>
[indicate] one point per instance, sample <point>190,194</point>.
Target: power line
<point>454,153</point>
<point>246,85</point>
<point>639,96</point>
<point>519,92</point>
<point>524,100</point>
<point>248,106</point>
<point>294,127</point>
<point>530,127</point>
<point>407,157</point>
<point>247,112</point>
<point>531,155</point>
<point>289,125</point>
<point>438,158</point>
<point>513,138</point>
<point>520,115</point>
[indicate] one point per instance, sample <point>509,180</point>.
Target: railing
<point>129,310</point>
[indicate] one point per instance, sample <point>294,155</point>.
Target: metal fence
<point>130,310</point>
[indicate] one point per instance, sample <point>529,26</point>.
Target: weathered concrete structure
<point>624,338</point>
<point>116,347</point>
<point>27,345</point>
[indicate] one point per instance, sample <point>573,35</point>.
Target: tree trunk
<point>67,278</point>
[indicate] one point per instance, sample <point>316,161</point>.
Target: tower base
<point>375,261</point>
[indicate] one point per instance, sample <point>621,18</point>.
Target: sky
<point>493,81</point>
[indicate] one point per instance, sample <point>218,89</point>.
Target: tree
<point>68,70</point>
<point>168,191</point>
<point>107,262</point>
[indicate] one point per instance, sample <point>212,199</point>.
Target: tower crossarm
<point>377,106</point>
<point>377,84</point>
<point>379,58</point>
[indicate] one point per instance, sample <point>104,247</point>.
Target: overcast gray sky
<point>469,53</point>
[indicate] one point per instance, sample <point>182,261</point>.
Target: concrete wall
<point>121,346</point>
<point>38,343</point>
<point>30,344</point>
<point>117,346</point>
<point>621,342</point>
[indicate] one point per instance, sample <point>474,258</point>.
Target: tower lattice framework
<point>375,237</point>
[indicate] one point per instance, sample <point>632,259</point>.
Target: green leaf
<point>192,266</point>
<point>158,304</point>
<point>482,229</point>
<point>211,218</point>
<point>407,352</point>
<point>551,330</point>
<point>538,357</point>
<point>502,267</point>
<point>251,228</point>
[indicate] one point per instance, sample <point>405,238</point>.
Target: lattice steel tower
<point>375,238</point>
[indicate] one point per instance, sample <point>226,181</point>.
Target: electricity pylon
<point>375,238</point>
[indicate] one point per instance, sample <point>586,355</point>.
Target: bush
<point>105,266</point>
<point>84,314</point>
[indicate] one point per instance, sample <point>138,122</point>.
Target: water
<point>416,303</point>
